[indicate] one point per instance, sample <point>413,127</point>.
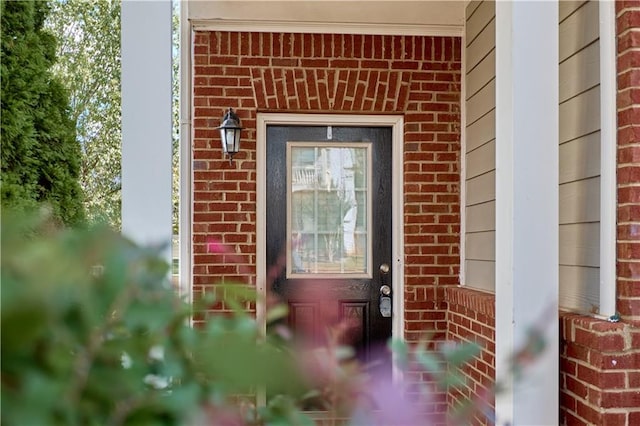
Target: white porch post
<point>527,205</point>
<point>146,122</point>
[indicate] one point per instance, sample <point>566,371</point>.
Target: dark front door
<point>329,233</point>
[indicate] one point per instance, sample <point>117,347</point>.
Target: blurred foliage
<point>93,334</point>
<point>88,51</point>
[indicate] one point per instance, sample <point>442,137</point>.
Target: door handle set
<point>385,291</point>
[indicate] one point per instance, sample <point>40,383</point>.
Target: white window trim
<point>463,158</point>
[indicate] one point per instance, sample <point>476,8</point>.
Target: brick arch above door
<point>324,89</point>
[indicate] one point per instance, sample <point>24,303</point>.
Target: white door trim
<point>396,122</point>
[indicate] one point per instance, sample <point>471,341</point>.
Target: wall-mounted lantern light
<point>230,134</point>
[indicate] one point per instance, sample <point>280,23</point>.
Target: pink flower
<point>216,246</point>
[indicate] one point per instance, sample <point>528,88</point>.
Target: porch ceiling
<point>311,15</point>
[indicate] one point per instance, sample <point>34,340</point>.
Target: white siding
<point>567,7</point>
<point>481,245</point>
<point>481,131</point>
<point>578,244</point>
<point>579,29</point>
<point>481,160</point>
<point>579,156</point>
<point>579,288</point>
<point>480,155</point>
<point>482,188</point>
<point>481,217</point>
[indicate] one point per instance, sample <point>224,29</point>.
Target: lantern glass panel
<point>230,139</point>
<point>236,142</point>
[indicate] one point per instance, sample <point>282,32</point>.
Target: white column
<point>527,205</point>
<point>146,122</point>
<point>608,159</point>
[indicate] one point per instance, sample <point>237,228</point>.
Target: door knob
<point>385,290</point>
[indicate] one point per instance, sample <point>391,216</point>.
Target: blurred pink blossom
<point>215,246</point>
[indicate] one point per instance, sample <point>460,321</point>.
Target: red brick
<point>628,307</point>
<point>568,402</point>
<point>629,173</point>
<point>568,366</point>
<point>576,387</point>
<point>628,212</point>
<point>628,231</point>
<point>614,419</point>
<point>577,352</point>
<point>634,378</point>
<point>628,116</point>
<point>628,78</point>
<point>624,399</point>
<point>571,419</point>
<point>630,270</point>
<point>629,194</point>
<point>629,154</point>
<point>588,413</point>
<point>629,19</point>
<point>628,59</point>
<point>629,250</point>
<point>616,361</point>
<point>611,380</point>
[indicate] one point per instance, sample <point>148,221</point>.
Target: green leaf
<point>453,379</point>
<point>343,353</point>
<point>428,361</point>
<point>276,313</point>
<point>401,352</point>
<point>460,353</point>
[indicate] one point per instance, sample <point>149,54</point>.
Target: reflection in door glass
<point>327,208</point>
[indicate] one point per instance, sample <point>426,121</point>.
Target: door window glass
<point>328,208</point>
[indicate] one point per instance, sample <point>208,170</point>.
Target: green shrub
<point>93,334</point>
<point>40,155</point>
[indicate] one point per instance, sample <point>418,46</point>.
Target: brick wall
<point>418,77</point>
<point>599,372</point>
<point>628,27</point>
<point>471,318</point>
<point>600,361</point>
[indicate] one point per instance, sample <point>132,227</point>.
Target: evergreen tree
<point>40,155</point>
